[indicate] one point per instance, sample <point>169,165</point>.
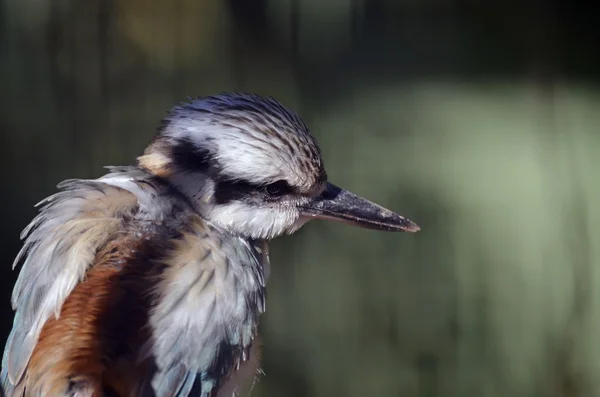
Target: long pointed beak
<point>340,205</point>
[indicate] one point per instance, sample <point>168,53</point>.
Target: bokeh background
<point>478,120</point>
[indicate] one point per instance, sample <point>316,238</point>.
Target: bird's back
<point>122,292</point>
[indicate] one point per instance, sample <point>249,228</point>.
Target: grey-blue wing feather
<point>173,382</point>
<point>176,381</point>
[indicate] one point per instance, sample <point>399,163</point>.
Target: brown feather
<point>101,326</point>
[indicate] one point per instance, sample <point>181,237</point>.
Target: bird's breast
<point>208,301</point>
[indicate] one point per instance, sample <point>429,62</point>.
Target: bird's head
<point>250,165</point>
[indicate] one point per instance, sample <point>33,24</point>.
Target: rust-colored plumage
<point>93,343</point>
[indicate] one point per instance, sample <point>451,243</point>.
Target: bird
<point>151,279</point>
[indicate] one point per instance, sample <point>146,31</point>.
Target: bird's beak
<point>340,205</point>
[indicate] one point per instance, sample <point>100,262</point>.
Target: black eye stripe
<point>189,157</point>
<point>227,190</point>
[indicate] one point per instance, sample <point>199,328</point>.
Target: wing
<point>209,301</point>
<point>60,245</point>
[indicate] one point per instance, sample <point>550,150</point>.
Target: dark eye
<point>278,188</point>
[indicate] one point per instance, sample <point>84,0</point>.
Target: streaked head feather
<point>233,146</point>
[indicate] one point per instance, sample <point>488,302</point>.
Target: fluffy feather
<point>59,248</point>
<point>209,300</point>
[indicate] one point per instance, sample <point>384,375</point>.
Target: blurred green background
<point>478,120</point>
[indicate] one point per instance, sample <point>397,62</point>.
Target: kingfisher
<point>150,280</point>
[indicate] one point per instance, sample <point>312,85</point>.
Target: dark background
<point>478,120</point>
